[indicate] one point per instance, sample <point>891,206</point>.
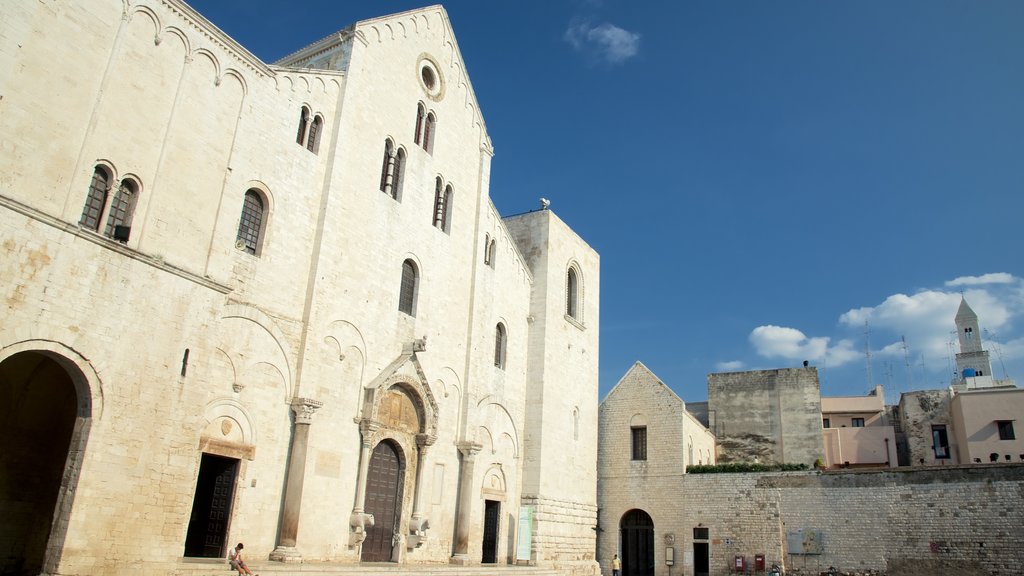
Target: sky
<point>766,182</point>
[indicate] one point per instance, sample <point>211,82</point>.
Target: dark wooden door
<point>383,485</point>
<point>701,562</point>
<point>211,507</point>
<point>492,515</point>
<point>637,534</point>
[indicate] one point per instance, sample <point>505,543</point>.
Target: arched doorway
<point>636,533</point>
<point>39,407</point>
<point>384,481</point>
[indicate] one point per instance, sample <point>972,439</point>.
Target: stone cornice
<point>109,244</point>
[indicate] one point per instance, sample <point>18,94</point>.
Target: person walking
<point>237,563</point>
<point>616,565</point>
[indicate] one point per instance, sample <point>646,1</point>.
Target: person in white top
<point>235,559</point>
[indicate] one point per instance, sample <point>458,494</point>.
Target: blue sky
<point>761,179</point>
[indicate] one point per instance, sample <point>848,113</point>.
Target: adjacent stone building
<point>766,415</point>
<point>647,439</point>
<point>274,303</point>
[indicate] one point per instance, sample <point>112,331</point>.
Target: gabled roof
<point>640,372</point>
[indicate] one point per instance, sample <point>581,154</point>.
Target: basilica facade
<point>273,303</point>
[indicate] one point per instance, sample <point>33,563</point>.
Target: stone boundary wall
<point>965,520</point>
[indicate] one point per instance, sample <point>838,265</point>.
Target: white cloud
<point>607,41</point>
<point>994,278</point>
<point>730,366</point>
<point>790,343</point>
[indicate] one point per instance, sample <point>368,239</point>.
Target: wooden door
<point>637,533</point>
<point>492,515</point>
<point>211,507</point>
<point>383,489</point>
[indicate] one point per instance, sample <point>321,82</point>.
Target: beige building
<point>647,439</point>
<point>273,303</point>
<point>857,431</point>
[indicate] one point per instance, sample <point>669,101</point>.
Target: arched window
<point>572,289</point>
<point>407,292</point>
<point>96,201</point>
<point>398,174</point>
<point>492,252</point>
<point>313,142</point>
<point>446,217</point>
<point>500,341</point>
<point>428,132</point>
<point>250,226</point>
<point>487,249</point>
<point>300,139</point>
<point>119,215</point>
<point>385,170</point>
<point>421,113</point>
<point>438,216</point>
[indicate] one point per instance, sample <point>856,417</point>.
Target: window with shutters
<point>119,215</point>
<point>429,130</point>
<point>421,114</point>
<point>408,289</point>
<point>250,225</point>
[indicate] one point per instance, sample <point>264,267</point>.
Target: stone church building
<point>273,303</point>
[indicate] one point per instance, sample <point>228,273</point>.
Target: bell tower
<point>973,367</point>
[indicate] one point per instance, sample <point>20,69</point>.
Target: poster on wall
<point>805,541</point>
<point>525,542</point>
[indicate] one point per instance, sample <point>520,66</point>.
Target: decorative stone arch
<point>229,430</point>
<point>418,392</point>
<point>88,388</point>
<point>494,486</point>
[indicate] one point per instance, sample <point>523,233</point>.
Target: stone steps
<point>220,568</point>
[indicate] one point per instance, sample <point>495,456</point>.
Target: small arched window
<point>491,252</point>
<point>315,129</point>
<point>250,225</point>
<point>572,288</point>
<point>428,132</point>
<point>438,216</point>
<point>421,113</point>
<point>407,291</point>
<point>119,215</point>
<point>487,249</point>
<point>391,173</point>
<point>500,343</point>
<point>300,139</point>
<point>385,170</point>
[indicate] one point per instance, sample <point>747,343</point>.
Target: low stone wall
<point>962,520</point>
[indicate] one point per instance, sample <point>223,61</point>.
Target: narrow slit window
<point>303,125</point>
<point>572,294</point>
<point>438,216</point>
<point>315,128</point>
<point>420,114</point>
<point>500,338</point>
<point>428,132</point>
<point>385,171</point>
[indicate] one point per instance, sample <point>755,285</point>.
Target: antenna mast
<point>906,360</point>
<point>867,354</point>
<point>998,350</point>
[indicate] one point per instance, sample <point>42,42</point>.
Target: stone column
<point>462,522</point>
<point>304,408</point>
<point>359,521</point>
<point>418,525</point>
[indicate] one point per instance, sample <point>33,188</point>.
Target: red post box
<point>759,562</point>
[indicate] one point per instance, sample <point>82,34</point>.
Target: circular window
<point>430,77</point>
<point>429,80</point>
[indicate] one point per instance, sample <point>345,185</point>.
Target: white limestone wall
<point>561,440</point>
